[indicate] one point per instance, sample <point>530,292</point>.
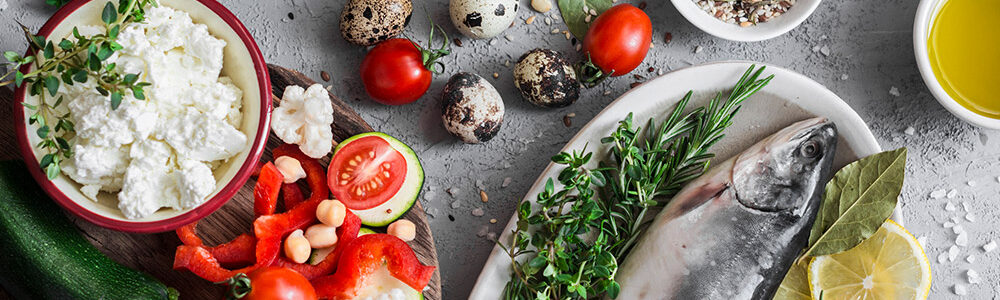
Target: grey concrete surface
<point>860,49</point>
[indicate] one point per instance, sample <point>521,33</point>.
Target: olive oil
<point>964,50</point>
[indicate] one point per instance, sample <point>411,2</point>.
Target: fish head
<point>786,171</point>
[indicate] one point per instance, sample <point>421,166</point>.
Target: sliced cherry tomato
<point>360,259</point>
<point>619,39</point>
<point>366,172</point>
<point>275,283</point>
<point>265,193</point>
<point>318,190</point>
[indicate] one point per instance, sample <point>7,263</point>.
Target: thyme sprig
<point>68,62</point>
<point>573,242</point>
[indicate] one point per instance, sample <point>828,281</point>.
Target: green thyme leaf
<point>49,51</point>
<point>18,78</point>
<point>66,45</point>
<point>116,99</point>
<point>56,3</point>
<point>12,56</point>
<point>52,84</point>
<point>43,132</point>
<point>52,171</point>
<point>110,14</point>
<point>857,201</point>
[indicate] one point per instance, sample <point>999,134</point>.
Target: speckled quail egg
<point>482,19</point>
<point>546,79</point>
<point>471,108</point>
<point>367,22</point>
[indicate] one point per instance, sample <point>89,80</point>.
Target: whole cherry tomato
<point>272,283</point>
<point>397,71</point>
<point>618,39</point>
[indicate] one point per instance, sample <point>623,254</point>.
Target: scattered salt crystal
<point>972,276</point>
<point>478,212</point>
<point>960,290</point>
<point>958,229</point>
<point>843,76</point>
<point>815,48</point>
<point>989,247</point>
<point>948,224</point>
<point>697,49</point>
<point>971,183</point>
<point>943,257</point>
<point>483,231</point>
<point>480,185</point>
<point>952,253</point>
<point>453,191</point>
<point>923,241</point>
<point>949,206</point>
<point>998,178</point>
<point>970,259</point>
<point>970,217</point>
<point>491,236</point>
<point>938,194</point>
<point>962,239</point>
<point>493,42</point>
<point>3,5</point>
<point>825,50</point>
<point>508,37</point>
<point>506,182</point>
<point>548,21</point>
<point>965,206</point>
<point>894,91</point>
<point>952,193</point>
<point>909,130</point>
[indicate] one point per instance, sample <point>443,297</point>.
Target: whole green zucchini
<point>42,256</point>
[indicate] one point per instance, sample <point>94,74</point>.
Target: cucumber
<point>394,208</point>
<point>319,254</point>
<point>44,257</point>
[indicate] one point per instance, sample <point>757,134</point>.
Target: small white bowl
<point>766,30</point>
<point>922,24</point>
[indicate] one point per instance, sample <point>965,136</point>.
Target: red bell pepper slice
<point>188,235</point>
<point>360,259</point>
<point>346,233</point>
<point>291,195</point>
<point>199,261</point>
<point>239,251</point>
<point>315,172</point>
<point>265,193</point>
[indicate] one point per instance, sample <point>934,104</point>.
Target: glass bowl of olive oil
<point>957,46</point>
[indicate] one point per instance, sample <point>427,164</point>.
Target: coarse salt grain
<point>843,76</point>
<point>965,206</point>
<point>948,224</point>
<point>970,259</point>
<point>697,49</point>
<point>952,253</point>
<point>970,217</point>
<point>938,194</point>
<point>506,182</point>
<point>962,240</point>
<point>894,91</point>
<point>949,206</point>
<point>943,257</point>
<point>922,240</point>
<point>960,289</point>
<point>952,193</point>
<point>958,229</point>
<point>478,212</point>
<point>971,183</point>
<point>972,276</point>
<point>456,204</point>
<point>989,247</point>
<point>909,130</point>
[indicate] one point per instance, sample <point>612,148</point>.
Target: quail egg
<point>367,22</point>
<point>482,19</point>
<point>546,79</point>
<point>471,109</point>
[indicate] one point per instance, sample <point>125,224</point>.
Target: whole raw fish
<point>734,232</point>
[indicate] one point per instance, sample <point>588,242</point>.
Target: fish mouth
<point>786,170</point>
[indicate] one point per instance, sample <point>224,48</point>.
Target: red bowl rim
<point>201,211</point>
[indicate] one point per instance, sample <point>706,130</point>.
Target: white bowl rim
<point>763,31</point>
<point>926,12</point>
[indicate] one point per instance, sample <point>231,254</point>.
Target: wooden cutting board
<point>154,253</point>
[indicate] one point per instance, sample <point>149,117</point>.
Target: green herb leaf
<point>43,132</point>
<point>29,106</point>
<point>80,76</point>
<point>65,45</point>
<point>56,3</point>
<point>110,14</point>
<point>113,33</point>
<point>575,16</point>
<point>12,56</point>
<point>130,79</point>
<point>49,52</point>
<point>52,84</point>
<point>52,171</point>
<point>18,78</point>
<point>857,201</point>
<point>138,93</point>
<point>116,99</point>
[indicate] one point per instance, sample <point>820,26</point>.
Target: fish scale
<point>734,232</point>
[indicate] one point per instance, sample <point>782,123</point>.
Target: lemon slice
<point>795,286</point>
<point>888,265</point>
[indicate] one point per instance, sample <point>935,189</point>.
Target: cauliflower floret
<point>303,118</point>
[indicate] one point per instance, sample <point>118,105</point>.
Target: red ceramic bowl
<point>243,63</point>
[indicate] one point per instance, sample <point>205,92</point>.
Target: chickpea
<point>331,212</point>
<point>321,235</point>
<point>297,247</point>
<point>403,229</point>
<point>290,168</point>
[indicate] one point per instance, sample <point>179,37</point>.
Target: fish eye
<point>811,149</point>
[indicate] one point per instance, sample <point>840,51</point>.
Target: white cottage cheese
<point>159,152</point>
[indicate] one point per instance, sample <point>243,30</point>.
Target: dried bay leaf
<point>856,202</point>
<point>575,16</point>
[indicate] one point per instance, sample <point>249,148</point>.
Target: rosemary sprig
<point>579,234</point>
<point>73,62</point>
